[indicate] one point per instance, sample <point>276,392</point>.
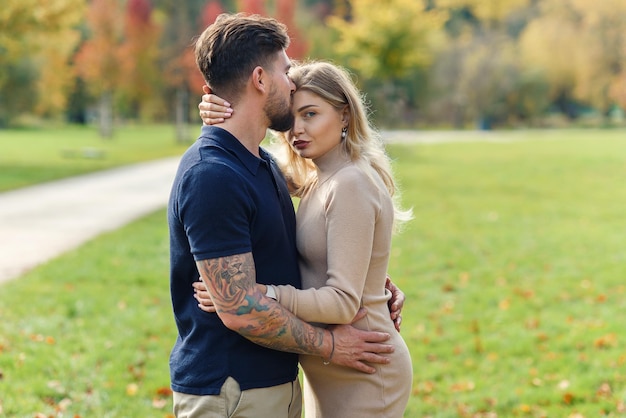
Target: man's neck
<point>248,125</point>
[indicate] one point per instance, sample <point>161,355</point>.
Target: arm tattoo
<point>231,282</point>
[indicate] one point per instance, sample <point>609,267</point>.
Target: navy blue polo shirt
<point>226,201</point>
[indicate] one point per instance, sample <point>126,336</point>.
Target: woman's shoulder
<point>353,180</point>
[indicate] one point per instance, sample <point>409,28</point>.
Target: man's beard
<point>279,113</point>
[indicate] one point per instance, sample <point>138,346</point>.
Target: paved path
<point>41,222</point>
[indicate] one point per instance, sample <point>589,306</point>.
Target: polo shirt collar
<point>231,144</point>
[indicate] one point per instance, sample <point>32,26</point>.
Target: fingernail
<point>227,104</point>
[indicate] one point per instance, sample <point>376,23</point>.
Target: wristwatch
<point>270,292</point>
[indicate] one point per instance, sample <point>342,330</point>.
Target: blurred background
<point>423,63</point>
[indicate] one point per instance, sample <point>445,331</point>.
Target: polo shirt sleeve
<point>215,211</point>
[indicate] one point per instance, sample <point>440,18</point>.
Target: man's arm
<point>395,304</point>
<point>231,283</point>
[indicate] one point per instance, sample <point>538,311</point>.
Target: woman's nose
<point>297,128</point>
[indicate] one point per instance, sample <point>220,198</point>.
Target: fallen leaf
<point>568,398</point>
<point>131,389</point>
<point>463,386</point>
<point>164,391</point>
<point>604,391</point>
<point>606,341</point>
<point>159,403</point>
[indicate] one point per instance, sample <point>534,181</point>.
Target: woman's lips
<point>300,144</point>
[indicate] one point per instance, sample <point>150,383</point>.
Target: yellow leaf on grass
<point>606,341</point>
<point>131,389</point>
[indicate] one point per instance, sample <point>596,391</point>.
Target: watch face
<point>270,292</point>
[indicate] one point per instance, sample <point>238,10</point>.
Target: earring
<point>344,132</point>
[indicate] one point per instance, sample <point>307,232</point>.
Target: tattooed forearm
<point>231,281</point>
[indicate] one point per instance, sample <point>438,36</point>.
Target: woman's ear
<point>345,116</point>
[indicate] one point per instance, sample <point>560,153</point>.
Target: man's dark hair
<point>229,49</point>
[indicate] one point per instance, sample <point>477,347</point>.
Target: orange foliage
<point>139,53</point>
<point>285,13</point>
<point>210,12</point>
<point>252,7</point>
<point>96,61</point>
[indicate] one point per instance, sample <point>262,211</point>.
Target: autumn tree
<point>36,39</point>
<point>385,39</point>
<point>138,57</point>
<point>252,7</point>
<point>97,61</point>
<point>490,13</point>
<point>478,75</point>
<point>286,13</point>
<point>180,73</point>
<point>385,43</point>
<point>580,46</point>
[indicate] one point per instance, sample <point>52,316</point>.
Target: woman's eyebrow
<point>300,109</point>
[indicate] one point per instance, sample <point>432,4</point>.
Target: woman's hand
<point>396,303</point>
<point>213,109</point>
<point>202,296</point>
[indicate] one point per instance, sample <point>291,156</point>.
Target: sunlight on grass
<point>514,269</point>
<point>89,333</point>
<point>31,156</point>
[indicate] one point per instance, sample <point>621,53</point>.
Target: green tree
<point>386,38</point>
<point>36,39</point>
<point>385,42</point>
<point>478,75</point>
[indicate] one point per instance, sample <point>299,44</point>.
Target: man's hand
<point>355,348</point>
<point>396,303</point>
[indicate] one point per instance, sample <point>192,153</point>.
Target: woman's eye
<point>309,114</point>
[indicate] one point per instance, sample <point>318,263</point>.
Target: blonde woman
<point>337,166</point>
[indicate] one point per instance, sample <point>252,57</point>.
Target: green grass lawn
<point>30,156</point>
<point>514,269</point>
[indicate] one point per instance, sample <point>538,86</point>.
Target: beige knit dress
<point>344,228</point>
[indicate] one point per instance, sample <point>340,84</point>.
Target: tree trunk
<point>181,115</point>
<point>105,110</point>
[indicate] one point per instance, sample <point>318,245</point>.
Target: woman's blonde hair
<point>362,142</point>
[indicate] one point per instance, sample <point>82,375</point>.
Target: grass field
<point>514,269</point>
<point>31,156</point>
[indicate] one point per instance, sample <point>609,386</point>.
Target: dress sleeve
<point>351,209</point>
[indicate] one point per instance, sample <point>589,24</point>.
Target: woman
<point>338,167</point>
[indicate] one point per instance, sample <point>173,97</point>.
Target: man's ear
<point>259,79</point>
<point>206,89</point>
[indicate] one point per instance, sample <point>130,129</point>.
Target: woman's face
<point>317,126</point>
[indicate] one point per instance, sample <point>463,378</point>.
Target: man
<point>232,221</point>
